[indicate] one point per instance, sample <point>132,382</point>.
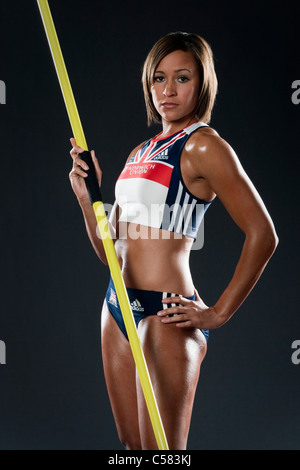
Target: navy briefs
<point>142,302</point>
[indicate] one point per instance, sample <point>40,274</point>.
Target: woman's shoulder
<point>205,136</point>
<point>206,145</point>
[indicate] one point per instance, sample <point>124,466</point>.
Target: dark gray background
<point>52,390</point>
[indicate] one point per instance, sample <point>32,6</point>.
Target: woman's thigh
<point>120,376</point>
<point>174,358</point>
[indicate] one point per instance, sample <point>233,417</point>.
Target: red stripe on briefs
<point>157,172</point>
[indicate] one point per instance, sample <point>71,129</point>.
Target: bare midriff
<point>154,259</point>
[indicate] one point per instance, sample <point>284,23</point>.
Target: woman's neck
<point>169,128</point>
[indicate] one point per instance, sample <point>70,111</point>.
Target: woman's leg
<point>174,358</point>
<point>119,371</point>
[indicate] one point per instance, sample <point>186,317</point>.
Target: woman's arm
<point>215,161</point>
<point>92,230</point>
<point>91,227</point>
<point>77,176</point>
<point>225,175</point>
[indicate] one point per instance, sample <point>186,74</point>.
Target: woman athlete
<point>161,195</point>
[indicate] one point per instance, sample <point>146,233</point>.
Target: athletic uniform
<point>150,191</point>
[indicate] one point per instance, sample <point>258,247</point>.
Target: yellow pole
<point>104,231</point>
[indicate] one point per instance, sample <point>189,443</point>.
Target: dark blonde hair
<point>201,51</point>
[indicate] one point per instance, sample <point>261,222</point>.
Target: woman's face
<point>175,88</point>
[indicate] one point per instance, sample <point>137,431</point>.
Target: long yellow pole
<point>104,230</point>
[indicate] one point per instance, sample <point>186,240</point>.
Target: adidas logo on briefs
<point>137,306</point>
<point>164,155</point>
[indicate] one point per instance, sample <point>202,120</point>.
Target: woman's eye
<point>182,79</point>
<point>161,79</point>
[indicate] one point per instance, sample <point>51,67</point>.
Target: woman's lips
<point>169,105</point>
